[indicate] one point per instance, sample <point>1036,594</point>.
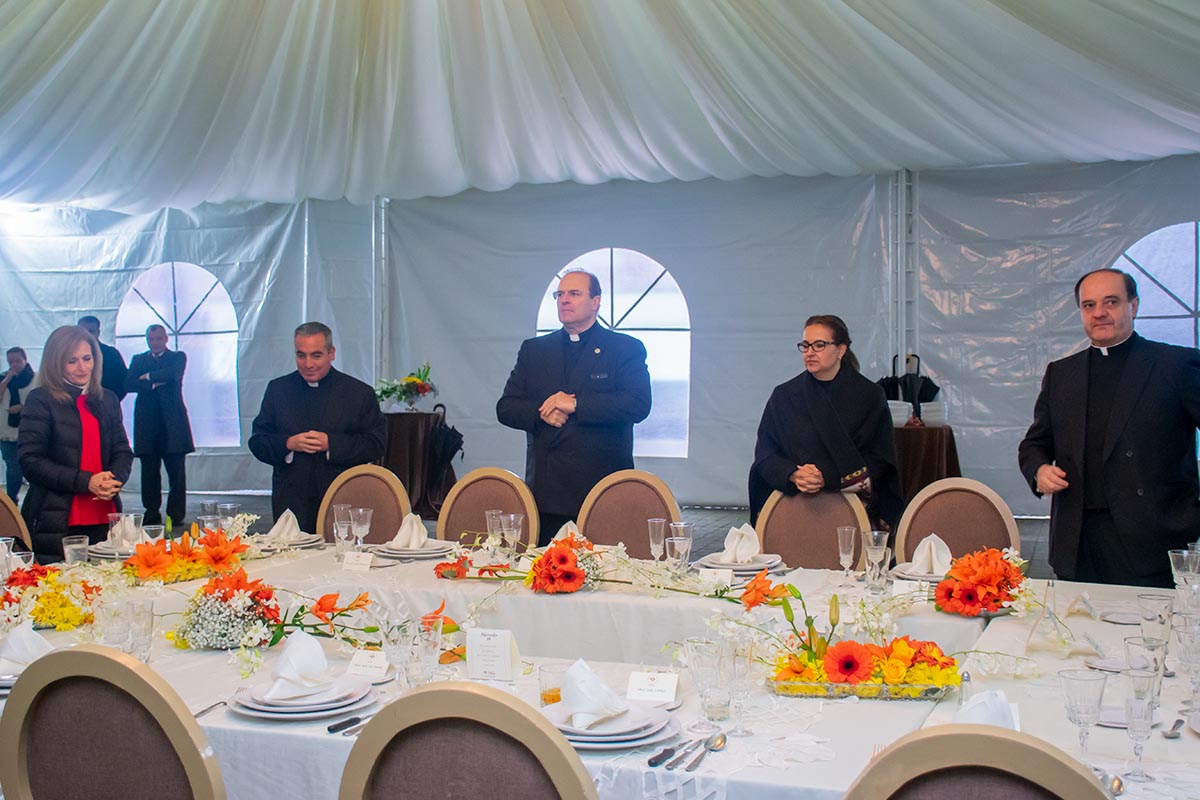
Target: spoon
<point>1112,784</point>
<point>712,744</point>
<point>1174,732</point>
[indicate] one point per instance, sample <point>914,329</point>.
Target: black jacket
<point>160,419</point>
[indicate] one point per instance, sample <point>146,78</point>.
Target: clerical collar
<point>579,337</point>
<point>1107,350</point>
<point>313,384</point>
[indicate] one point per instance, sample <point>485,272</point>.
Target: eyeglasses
<point>816,347</point>
<point>574,294</point>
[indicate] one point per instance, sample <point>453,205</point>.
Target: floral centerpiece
<point>984,581</point>
<point>189,557</point>
<point>566,565</point>
<point>49,597</point>
<point>408,389</point>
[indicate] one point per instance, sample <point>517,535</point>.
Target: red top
<point>86,509</point>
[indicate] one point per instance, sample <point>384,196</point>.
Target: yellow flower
<point>903,652</point>
<point>894,671</point>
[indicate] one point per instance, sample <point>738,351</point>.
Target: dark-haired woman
<point>74,451</point>
<point>828,430</point>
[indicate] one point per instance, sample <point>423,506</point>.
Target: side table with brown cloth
<point>925,455</point>
<point>407,455</point>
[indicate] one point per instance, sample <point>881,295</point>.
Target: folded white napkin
<point>21,648</point>
<point>989,708</point>
<point>286,529</point>
<point>741,545</point>
<point>587,699</point>
<point>411,535</point>
<point>932,556</point>
<point>568,529</point>
<point>301,670</point>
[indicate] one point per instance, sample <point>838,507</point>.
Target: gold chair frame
<point>10,509</point>
<point>529,505</point>
<point>384,474</point>
<point>936,488</point>
<point>862,521</point>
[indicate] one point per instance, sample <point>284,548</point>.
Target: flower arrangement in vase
<point>407,390</point>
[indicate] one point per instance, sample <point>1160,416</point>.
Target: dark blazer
<point>160,419</point>
<point>1149,454</point>
<point>51,444</point>
<point>612,390</point>
<point>112,376</point>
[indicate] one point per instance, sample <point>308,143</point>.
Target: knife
<point>349,722</point>
<point>664,755</point>
<point>683,754</point>
<point>357,729</point>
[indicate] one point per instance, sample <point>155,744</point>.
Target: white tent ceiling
<point>135,105</point>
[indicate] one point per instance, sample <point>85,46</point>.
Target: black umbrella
<point>912,386</point>
<point>444,443</point>
<point>891,383</point>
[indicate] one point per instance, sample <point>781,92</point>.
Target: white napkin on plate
<point>286,529</point>
<point>21,648</point>
<point>587,699</point>
<point>932,556</point>
<point>412,534</point>
<point>301,670</point>
<point>569,528</point>
<point>741,545</point>
<point>989,708</point>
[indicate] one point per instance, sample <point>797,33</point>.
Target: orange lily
<point>453,655</point>
<point>184,547</point>
<point>760,590</point>
<point>151,559</point>
<point>325,608</point>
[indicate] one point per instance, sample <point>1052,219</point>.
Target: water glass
<point>208,522</point>
<point>709,663</point>
<point>8,545</point>
<point>112,623</point>
<point>360,525</point>
<point>658,534</point>
<point>1188,637</point>
<point>1147,653</point>
<point>678,548</point>
<point>140,613</point>
<point>878,559</point>
<point>75,550</point>
<point>208,508</point>
<point>1140,703</point>
<point>1083,692</point>
<point>875,538</point>
<point>154,532</point>
<point>341,540</point>
<point>741,666</point>
<point>131,532</point>
<point>511,527</point>
<point>494,529</point>
<point>1184,562</point>
<point>227,511</point>
<point>341,512</point>
<point>427,651</point>
<point>846,535</point>
<point>1187,594</point>
<point>114,530</point>
<point>682,530</point>
<point>550,683</point>
<point>22,560</point>
<point>1194,547</point>
<point>396,635</point>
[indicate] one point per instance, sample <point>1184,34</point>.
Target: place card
<point>656,687</point>
<point>357,562</point>
<point>525,564</point>
<point>1082,604</point>
<point>900,587</point>
<point>713,579</point>
<point>492,655</point>
<point>368,664</point>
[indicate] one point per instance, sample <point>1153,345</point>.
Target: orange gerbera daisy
<point>968,596</point>
<point>567,579</point>
<point>848,662</point>
<point>452,569</point>
<point>151,559</point>
<point>491,570</point>
<point>559,557</point>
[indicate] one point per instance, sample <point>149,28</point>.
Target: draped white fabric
<point>135,105</point>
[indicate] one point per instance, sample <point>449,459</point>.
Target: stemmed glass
<point>1083,691</point>
<point>1147,653</point>
<point>1157,611</point>
<point>510,529</point>
<point>742,656</point>
<point>1188,636</point>
<point>428,650</point>
<point>1139,716</point>
<point>360,525</point>
<point>709,663</point>
<point>495,532</point>
<point>877,564</point>
<point>658,531</point>
<point>846,536</point>
<point>678,548</point>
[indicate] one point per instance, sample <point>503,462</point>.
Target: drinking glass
<point>846,535</point>
<point>494,529</point>
<point>396,634</point>
<point>24,560</point>
<point>550,683</point>
<point>709,663</point>
<point>682,530</point>
<point>875,538</point>
<point>131,532</point>
<point>208,522</point>
<point>1083,691</point>
<point>1157,611</point>
<point>140,612</point>
<point>1194,547</point>
<point>341,540</point>
<point>1139,716</point>
<point>341,512</point>
<point>75,550</point>
<point>877,561</point>
<point>114,530</point>
<point>1188,637</point>
<point>7,545</point>
<point>227,511</point>
<point>658,533</point>
<point>511,526</point>
<point>208,508</point>
<point>154,532</point>
<point>1147,653</point>
<point>427,651</point>
<point>1184,562</point>
<point>741,664</point>
<point>678,548</point>
<point>360,525</point>
<point>1187,594</point>
<point>112,623</point>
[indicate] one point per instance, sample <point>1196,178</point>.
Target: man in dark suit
<point>577,394</point>
<point>113,375</point>
<point>1113,441</point>
<point>162,434</point>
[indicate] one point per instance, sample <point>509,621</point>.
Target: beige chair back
<point>478,491</point>
<point>964,513</point>
<point>515,752</point>
<point>89,721</point>
<point>616,510</point>
<point>981,762</point>
<point>11,522</point>
<point>367,486</point>
<point>802,528</point>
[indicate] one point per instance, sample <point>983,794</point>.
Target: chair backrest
<point>90,721</point>
<point>480,490</point>
<point>802,528</point>
<point>616,510</point>
<point>977,761</point>
<point>11,522</point>
<point>367,486</point>
<point>964,513</point>
<point>515,752</point>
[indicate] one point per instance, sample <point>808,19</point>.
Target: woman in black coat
<point>73,447</point>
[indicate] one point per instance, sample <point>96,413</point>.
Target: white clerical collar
<point>574,337</point>
<point>1105,348</point>
<point>313,384</point>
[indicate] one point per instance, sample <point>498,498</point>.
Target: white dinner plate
<point>1122,617</point>
<point>639,717</point>
<point>344,690</point>
<point>236,706</point>
<point>1111,664</point>
<point>905,573</point>
<point>1114,717</point>
<point>111,555</point>
<point>312,540</point>
<point>620,737</point>
<point>6,681</point>
<point>669,732</point>
<point>757,564</point>
<point>431,546</point>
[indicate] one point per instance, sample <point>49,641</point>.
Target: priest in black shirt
<point>314,423</point>
<point>1113,441</point>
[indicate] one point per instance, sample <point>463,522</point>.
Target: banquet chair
<point>616,510</point>
<point>515,752</point>
<point>982,762</point>
<point>11,522</point>
<point>964,513</point>
<point>802,528</point>
<point>90,722</point>
<point>367,486</point>
<point>480,490</point>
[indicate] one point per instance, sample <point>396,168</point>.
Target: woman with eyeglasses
<point>828,430</point>
<point>73,446</point>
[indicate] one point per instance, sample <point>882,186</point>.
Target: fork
<point>876,749</point>
<point>207,709</point>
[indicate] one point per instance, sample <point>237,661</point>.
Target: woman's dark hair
<point>841,335</point>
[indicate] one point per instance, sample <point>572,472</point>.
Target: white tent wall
<point>1001,250</point>
<point>753,257</point>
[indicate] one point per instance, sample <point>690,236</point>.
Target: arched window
<point>200,319</point>
<point>1166,266</point>
<point>640,298</point>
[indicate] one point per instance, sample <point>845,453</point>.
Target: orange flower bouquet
<point>48,597</point>
<point>566,565</point>
<point>983,581</point>
<point>187,558</point>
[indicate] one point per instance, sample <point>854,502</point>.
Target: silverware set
<point>710,745</point>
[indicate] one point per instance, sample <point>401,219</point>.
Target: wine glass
<point>494,529</point>
<point>360,525</point>
<point>1188,636</point>
<point>1083,691</point>
<point>658,532</point>
<point>510,529</point>
<point>1139,716</point>
<point>1147,653</point>
<point>877,564</point>
<point>678,548</point>
<point>428,650</point>
<point>742,662</point>
<point>846,535</point>
<point>708,662</point>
